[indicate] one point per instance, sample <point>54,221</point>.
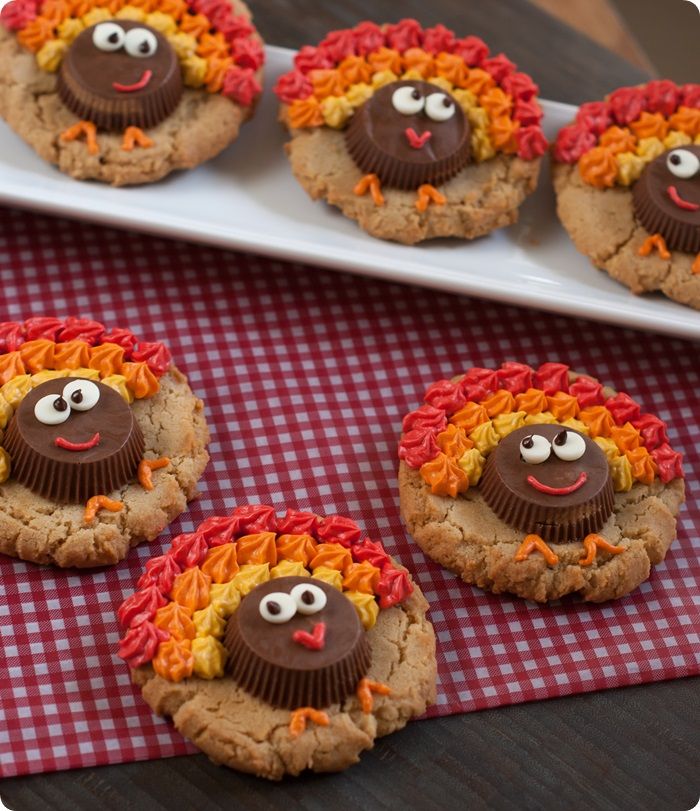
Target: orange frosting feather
<point>221,563</point>
<point>626,437</point>
<point>598,167</point>
<point>650,125</point>
<point>191,589</point>
<point>598,420</point>
<point>445,476</point>
<point>140,379</point>
<point>107,359</point>
<point>332,555</point>
<point>300,548</point>
<point>257,548</point>
<point>361,577</point>
<point>453,441</point>
<point>175,619</point>
<point>563,406</point>
<point>38,355</point>
<point>644,468</point>
<point>71,355</point>
<point>532,401</point>
<point>385,59</point>
<point>305,113</point>
<point>468,417</point>
<point>500,402</point>
<point>174,660</point>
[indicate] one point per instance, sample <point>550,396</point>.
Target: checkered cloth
<point>306,375</point>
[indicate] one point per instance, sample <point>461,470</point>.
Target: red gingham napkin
<point>306,375</point>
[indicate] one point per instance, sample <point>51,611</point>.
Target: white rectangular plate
<point>247,199</point>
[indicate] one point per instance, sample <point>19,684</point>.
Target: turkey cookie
<point>627,178</point>
<point>539,483</point>
<point>280,644</point>
<point>412,132</point>
<point>101,441</point>
<point>125,92</point>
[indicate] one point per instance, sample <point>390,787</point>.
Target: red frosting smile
<point>67,445</point>
<point>313,641</point>
<point>679,201</point>
<point>415,140</point>
<point>130,88</point>
<point>557,491</point>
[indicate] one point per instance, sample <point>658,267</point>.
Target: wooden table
<point>635,748</point>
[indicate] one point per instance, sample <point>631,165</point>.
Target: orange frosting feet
<point>428,194</point>
<point>652,242</point>
<point>146,468</point>
<point>366,688</point>
<point>134,136</point>
<point>86,128</point>
<point>532,543</point>
<point>592,543</point>
<point>371,184</point>
<point>695,267</point>
<point>97,503</point>
<point>300,717</point>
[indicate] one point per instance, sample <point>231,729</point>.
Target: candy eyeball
<point>53,409</point>
<point>535,449</point>
<point>278,607</point>
<point>309,599</point>
<point>682,163</point>
<point>439,107</point>
<point>568,446</point>
<point>82,395</point>
<point>108,37</point>
<point>408,100</point>
<point>140,42</point>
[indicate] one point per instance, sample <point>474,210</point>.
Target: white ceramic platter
<point>247,199</point>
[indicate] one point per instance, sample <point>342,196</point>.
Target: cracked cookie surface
<point>481,198</point>
<point>202,125</point>
<point>244,733</point>
<point>40,531</point>
<point>602,225</point>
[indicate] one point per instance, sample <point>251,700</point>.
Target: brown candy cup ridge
<point>552,524</point>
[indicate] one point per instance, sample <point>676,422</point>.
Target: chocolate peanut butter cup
<point>120,73</point>
<point>71,439</point>
<point>409,133</point>
<point>549,480</point>
<point>297,642</point>
<point>667,198</point>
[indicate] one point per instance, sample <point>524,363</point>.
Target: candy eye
<point>439,107</point>
<point>52,409</point>
<point>108,37</point>
<point>535,449</point>
<point>278,607</point>
<point>407,100</point>
<point>568,446</point>
<point>682,163</point>
<point>81,394</point>
<point>309,599</point>
<point>140,42</point>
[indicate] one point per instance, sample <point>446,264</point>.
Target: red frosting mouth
<point>557,491</point>
<point>415,140</point>
<point>131,88</point>
<point>67,445</point>
<point>672,192</point>
<point>316,640</point>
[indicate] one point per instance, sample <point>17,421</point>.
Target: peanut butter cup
<point>296,642</point>
<point>410,133</point>
<point>549,480</point>
<point>120,73</point>
<point>71,439</point>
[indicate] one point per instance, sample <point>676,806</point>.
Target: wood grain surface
<point>635,748</point>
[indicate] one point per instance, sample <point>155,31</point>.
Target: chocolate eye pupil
<point>113,37</point>
<point>60,404</point>
<point>144,47</point>
<point>274,608</point>
<point>307,598</point>
<point>560,438</point>
<point>77,396</point>
<point>415,94</point>
<point>446,102</point>
<point>528,442</point>
<point>675,159</point>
